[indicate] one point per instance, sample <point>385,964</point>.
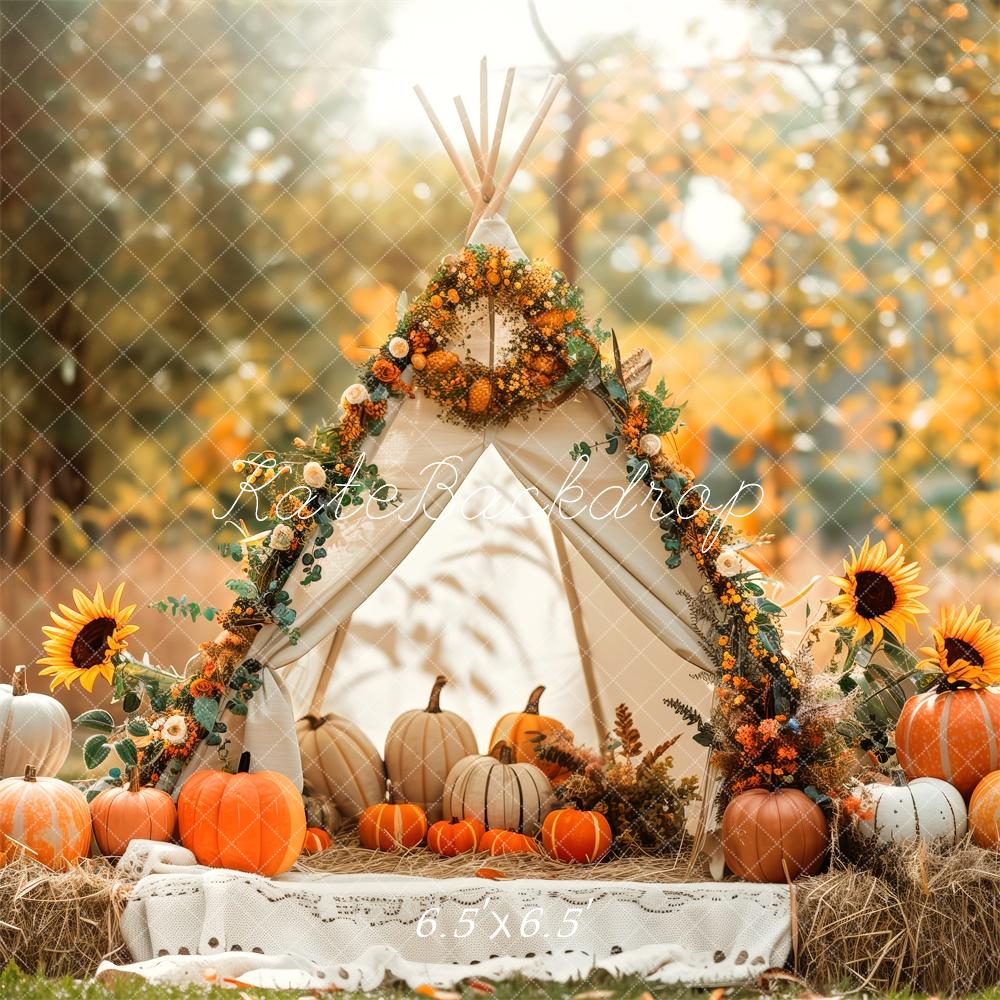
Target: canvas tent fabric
<point>427,459</point>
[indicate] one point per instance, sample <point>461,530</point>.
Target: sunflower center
<point>91,643</point>
<point>874,593</point>
<point>959,649</point>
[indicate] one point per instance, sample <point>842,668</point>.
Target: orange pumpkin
<point>131,812</point>
<point>952,735</point>
<point>764,833</point>
<point>984,812</point>
<point>486,840</point>
<point>458,836</point>
<point>520,729</point>
<point>250,822</point>
<point>391,826</point>
<point>508,842</point>
<point>576,836</point>
<point>317,839</point>
<point>45,816</point>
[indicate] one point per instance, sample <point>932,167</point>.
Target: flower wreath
<point>547,311</point>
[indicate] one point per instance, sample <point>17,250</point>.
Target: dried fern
<point>690,715</point>
<point>625,730</point>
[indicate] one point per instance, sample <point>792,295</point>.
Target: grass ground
<point>14,984</point>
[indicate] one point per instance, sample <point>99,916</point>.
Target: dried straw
<point>927,919</point>
<point>61,923</point>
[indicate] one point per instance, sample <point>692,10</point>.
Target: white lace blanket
<point>354,931</point>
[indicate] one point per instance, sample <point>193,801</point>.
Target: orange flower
<point>202,688</point>
<point>384,370</point>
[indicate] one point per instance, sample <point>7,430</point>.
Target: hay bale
<point>61,923</point>
<point>927,919</point>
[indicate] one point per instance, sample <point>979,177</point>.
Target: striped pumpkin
<point>392,826</point>
<point>422,747</point>
<point>574,835</point>
<point>984,812</point>
<point>498,793</point>
<point>506,842</point>
<point>520,730</point>
<point>47,817</point>
<point>450,838</point>
<point>952,735</point>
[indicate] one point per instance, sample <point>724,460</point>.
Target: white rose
<point>728,562</point>
<point>355,394</point>
<point>175,730</point>
<point>650,444</point>
<point>281,537</point>
<point>314,475</point>
<point>399,347</point>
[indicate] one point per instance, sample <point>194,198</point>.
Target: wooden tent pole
<point>484,108</point>
<point>582,642</point>
<point>470,138</point>
<point>327,672</point>
<point>456,160</point>
<point>491,165</point>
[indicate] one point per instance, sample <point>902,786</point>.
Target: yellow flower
<point>878,593</point>
<point>83,641</point>
<point>966,648</point>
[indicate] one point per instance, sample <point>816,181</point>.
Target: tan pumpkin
<point>131,812</point>
<point>249,822</point>
<point>774,836</point>
<point>35,729</point>
<point>46,817</point>
<point>338,760</point>
<point>520,730</point>
<point>498,792</point>
<point>422,748</point>
<point>322,812</point>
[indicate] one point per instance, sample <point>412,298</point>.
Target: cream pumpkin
<point>922,809</point>
<point>339,761</point>
<point>34,729</point>
<point>45,816</point>
<point>422,748</point>
<point>500,794</point>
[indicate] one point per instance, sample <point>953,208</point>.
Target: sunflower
<point>877,593</point>
<point>83,640</point>
<point>966,649</point>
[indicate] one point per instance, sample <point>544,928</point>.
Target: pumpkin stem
<point>434,704</point>
<point>898,778</point>
<point>533,699</point>
<point>30,773</point>
<point>134,784</point>
<point>315,721</point>
<point>503,752</point>
<point>19,682</point>
<point>244,764</point>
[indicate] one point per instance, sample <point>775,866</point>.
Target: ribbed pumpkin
<point>764,832</point>
<point>34,729</point>
<point>984,812</point>
<point>952,735</point>
<point>46,816</point>
<point>131,812</point>
<point>392,826</point>
<point>508,842</point>
<point>923,809</point>
<point>519,729</point>
<point>249,822</point>
<point>317,839</point>
<point>577,836</point>
<point>322,812</point>
<point>451,837</point>
<point>340,761</point>
<point>494,790</point>
<point>421,749</point>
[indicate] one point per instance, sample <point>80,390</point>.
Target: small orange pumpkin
<point>521,729</point>
<point>984,812</point>
<point>317,839</point>
<point>249,822</point>
<point>391,826</point>
<point>576,836</point>
<point>508,842</point>
<point>131,812</point>
<point>47,817</point>
<point>766,833</point>
<point>457,836</point>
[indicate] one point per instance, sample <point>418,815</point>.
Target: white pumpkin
<point>340,762</point>
<point>921,809</point>
<point>34,729</point>
<point>500,794</point>
<point>422,747</point>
